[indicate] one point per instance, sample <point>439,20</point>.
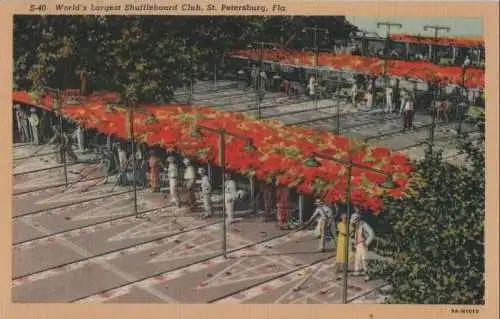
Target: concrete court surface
<point>84,244</point>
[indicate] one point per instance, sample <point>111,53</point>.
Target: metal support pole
<point>222,159</point>
<point>63,153</point>
<point>190,90</point>
<point>134,164</point>
<point>251,179</point>
<point>301,209</point>
<point>209,173</point>
<point>261,82</point>
<point>316,60</point>
<point>388,26</point>
<point>348,226</point>
<point>338,111</point>
<point>433,123</point>
<point>215,75</point>
<point>437,29</point>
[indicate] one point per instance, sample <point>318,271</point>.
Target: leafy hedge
<point>436,239</point>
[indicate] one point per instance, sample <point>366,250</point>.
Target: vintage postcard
<point>249,160</point>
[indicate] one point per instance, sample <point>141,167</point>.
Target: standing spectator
<point>363,236</point>
<point>354,94</point>
<point>282,207</point>
<point>254,76</point>
<point>369,95</point>
<point>80,138</point>
<point>324,217</point>
<point>172,180</point>
<point>123,162</point>
<point>154,171</point>
<point>396,95</point>
<point>342,237</point>
<point>403,98</point>
<point>388,100</point>
<point>189,182</point>
<point>141,168</point>
<point>22,124</point>
<point>409,112</point>
<point>312,86</point>
<point>267,197</point>
<point>34,124</point>
<point>230,195</point>
<point>206,192</point>
<point>285,86</point>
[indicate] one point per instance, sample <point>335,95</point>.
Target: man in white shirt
<point>409,112</point>
<point>312,86</point>
<point>22,123</point>
<point>467,62</point>
<point>230,195</point>
<point>254,76</point>
<point>354,94</point>
<point>172,180</point>
<point>363,236</point>
<point>34,124</point>
<point>404,96</point>
<point>325,219</point>
<point>189,181</point>
<point>80,138</point>
<point>388,100</point>
<point>206,192</point>
<point>123,162</point>
<point>369,95</point>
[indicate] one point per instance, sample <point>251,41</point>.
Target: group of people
<point>396,100</point>
<point>28,125</point>
<point>38,127</point>
<point>330,233</point>
<point>183,181</point>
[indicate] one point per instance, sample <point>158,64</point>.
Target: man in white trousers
<point>189,181</point>
<point>172,180</point>
<point>324,216</point>
<point>35,125</point>
<point>363,236</point>
<point>206,192</point>
<point>230,195</point>
<point>80,139</point>
<point>404,96</point>
<point>22,123</point>
<point>369,95</point>
<point>354,94</point>
<point>389,107</point>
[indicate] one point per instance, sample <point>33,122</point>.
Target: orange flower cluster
<point>279,151</point>
<point>422,70</point>
<point>447,41</point>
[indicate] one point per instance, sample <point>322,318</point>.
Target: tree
<point>288,30</point>
<point>144,58</point>
<point>435,239</point>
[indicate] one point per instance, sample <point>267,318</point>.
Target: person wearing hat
<point>22,123</point>
<point>154,171</point>
<point>282,211</point>
<point>230,195</point>
<point>206,192</point>
<point>172,180</point>
<point>363,236</point>
<point>34,125</point>
<point>324,216</point>
<point>354,94</point>
<point>342,237</point>
<point>123,162</point>
<point>189,181</point>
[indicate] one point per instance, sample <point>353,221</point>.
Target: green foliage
<point>436,239</point>
<point>145,58</point>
